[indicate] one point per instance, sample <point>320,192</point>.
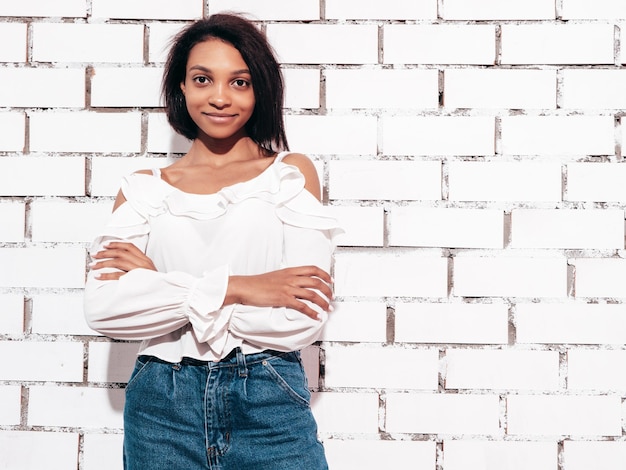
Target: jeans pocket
<point>287,372</point>
<point>141,364</point>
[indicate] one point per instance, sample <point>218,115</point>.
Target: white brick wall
<point>473,151</point>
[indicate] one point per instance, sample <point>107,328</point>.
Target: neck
<point>205,148</point>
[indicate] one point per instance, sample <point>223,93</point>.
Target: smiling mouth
<point>217,115</point>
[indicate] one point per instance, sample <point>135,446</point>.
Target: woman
<point>219,263</point>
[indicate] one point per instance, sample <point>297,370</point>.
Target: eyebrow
<point>207,70</point>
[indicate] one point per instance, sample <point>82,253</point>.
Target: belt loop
<point>241,363</point>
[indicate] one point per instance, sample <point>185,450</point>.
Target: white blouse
<point>196,241</point>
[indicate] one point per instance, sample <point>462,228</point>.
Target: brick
<point>103,451</point>
<point>511,455</point>
<point>558,135</point>
<point>377,454</point>
<point>111,362</point>
<point>596,182</point>
<point>162,138</point>
<point>463,323</point>
<point>11,398</point>
<point>324,44</point>
<point>363,226</point>
<point>13,216</point>
<point>495,10</point>
<point>11,314</point>
<point>593,89</point>
<point>327,134</point>
<point>31,176</point>
<point>23,87</point>
<point>371,317</point>
<point>438,413</point>
<point>597,370</point>
<point>352,88</point>
<point>42,8</point>
<point>42,267</point>
<point>597,10</point>
<point>564,228</point>
<point>399,274</point>
<point>70,222</point>
<point>445,227</point>
<point>447,44</point>
<point>557,44</point>
<point>390,10</point>
<point>59,361</point>
<point>54,449</point>
<point>509,276</point>
<point>499,88</point>
<point>556,415</point>
<point>302,88</point>
<point>13,136</point>
<point>583,455</point>
<point>351,367</point>
<point>271,10</point>
<point>599,277</point>
<point>570,323</point>
<point>75,407</point>
<point>107,172</point>
<point>310,357</point>
<point>59,314</point>
<point>147,9</point>
<point>438,135</point>
<point>337,412</point>
<point>92,43</point>
<point>497,369</point>
<point>160,37</point>
<point>85,131</point>
<point>504,181</point>
<point>13,45</point>
<point>126,87</point>
<point>388,180</point>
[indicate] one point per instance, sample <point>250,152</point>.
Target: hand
<point>283,288</point>
<point>123,256</point>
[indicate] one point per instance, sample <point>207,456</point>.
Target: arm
<point>308,233</point>
<point>126,298</point>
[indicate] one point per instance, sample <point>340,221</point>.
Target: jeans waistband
<point>234,359</point>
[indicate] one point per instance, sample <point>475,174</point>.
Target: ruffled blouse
<point>196,241</point>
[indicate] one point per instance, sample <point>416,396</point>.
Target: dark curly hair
<point>266,125</point>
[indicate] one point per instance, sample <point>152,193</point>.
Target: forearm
<point>145,304</point>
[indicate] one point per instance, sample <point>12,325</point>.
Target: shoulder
<point>131,188</point>
<point>308,170</point>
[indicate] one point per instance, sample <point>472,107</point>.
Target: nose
<point>219,97</point>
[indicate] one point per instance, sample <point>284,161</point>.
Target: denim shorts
<point>246,412</point>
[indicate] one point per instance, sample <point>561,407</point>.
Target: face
<point>218,90</point>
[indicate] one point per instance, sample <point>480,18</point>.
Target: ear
<point>182,87</point>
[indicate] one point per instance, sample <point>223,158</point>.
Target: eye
<point>201,80</point>
<point>241,83</point>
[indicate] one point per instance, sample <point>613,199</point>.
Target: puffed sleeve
<point>309,232</point>
<point>145,304</point>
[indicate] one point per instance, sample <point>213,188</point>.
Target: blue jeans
<point>246,412</point>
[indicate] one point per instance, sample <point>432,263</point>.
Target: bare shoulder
<point>143,172</point>
<point>307,168</point>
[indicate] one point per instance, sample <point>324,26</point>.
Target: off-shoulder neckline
<point>156,173</point>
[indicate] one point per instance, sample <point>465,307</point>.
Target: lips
<point>220,117</point>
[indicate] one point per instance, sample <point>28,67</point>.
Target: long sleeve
<point>308,240</point>
<point>145,304</point>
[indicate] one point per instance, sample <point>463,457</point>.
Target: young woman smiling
<point>220,264</point>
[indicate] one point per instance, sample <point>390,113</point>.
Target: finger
<point>306,310</point>
<point>110,276</point>
<point>314,298</point>
<point>316,284</point>
<point>310,271</point>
